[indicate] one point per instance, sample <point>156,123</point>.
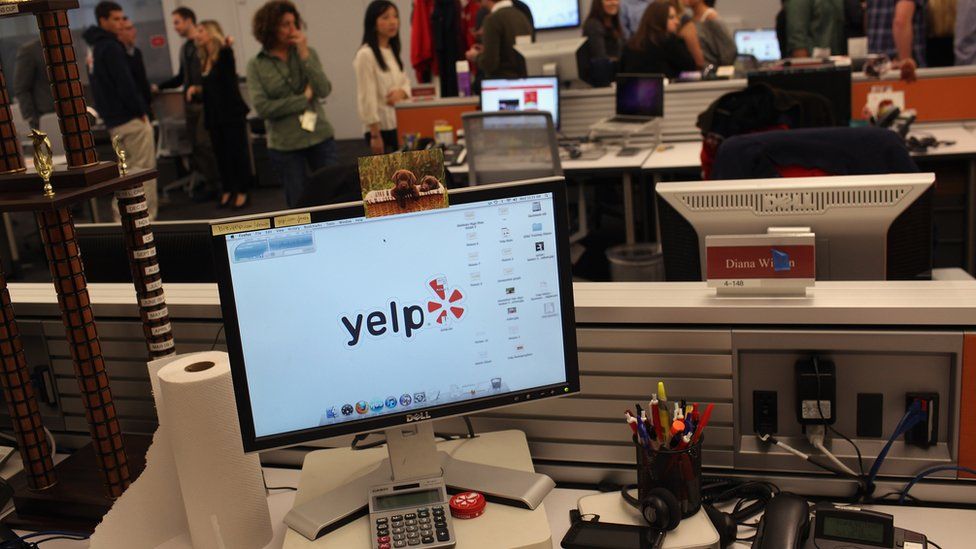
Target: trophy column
<point>11,159</point>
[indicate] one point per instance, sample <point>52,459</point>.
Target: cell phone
<point>591,534</point>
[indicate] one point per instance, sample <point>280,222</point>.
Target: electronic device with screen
<point>339,324</point>
<point>759,43</point>
<point>854,528</point>
<point>592,534</point>
<point>522,94</point>
<point>868,227</point>
<point>411,513</point>
<point>639,98</point>
<point>183,248</point>
<point>830,81</point>
<point>559,58</point>
<point>554,14</point>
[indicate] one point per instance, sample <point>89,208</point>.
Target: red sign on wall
<point>157,41</point>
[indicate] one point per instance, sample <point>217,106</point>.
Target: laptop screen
<point>640,95</point>
<point>760,43</point>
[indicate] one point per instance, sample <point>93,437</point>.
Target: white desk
<point>609,163</point>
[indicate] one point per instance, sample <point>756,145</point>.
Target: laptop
<point>759,43</point>
<point>640,98</point>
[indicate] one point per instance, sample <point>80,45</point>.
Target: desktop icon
<point>362,407</point>
<point>549,308</point>
<point>536,227</point>
<point>496,383</point>
<point>513,310</point>
<point>331,413</point>
<point>347,409</point>
<point>510,290</point>
<point>537,206</point>
<point>506,232</point>
<point>419,398</point>
<point>540,246</point>
<point>405,399</point>
<point>376,405</point>
<point>391,402</point>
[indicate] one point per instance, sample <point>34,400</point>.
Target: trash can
<point>642,262</point>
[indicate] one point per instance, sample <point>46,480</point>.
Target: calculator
<point>411,514</point>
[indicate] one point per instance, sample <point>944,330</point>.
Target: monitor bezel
<point>637,76</point>
<point>556,117</point>
<point>579,21</point>
<point>253,443</point>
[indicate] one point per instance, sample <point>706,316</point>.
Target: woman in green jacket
<point>286,83</point>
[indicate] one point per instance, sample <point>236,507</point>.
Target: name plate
<point>763,264</point>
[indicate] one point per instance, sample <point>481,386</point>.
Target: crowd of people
<point>286,81</point>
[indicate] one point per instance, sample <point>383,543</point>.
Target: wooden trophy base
<point>78,501</point>
<point>62,178</point>
<point>34,199</point>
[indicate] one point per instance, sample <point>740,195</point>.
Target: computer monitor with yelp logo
<point>338,324</point>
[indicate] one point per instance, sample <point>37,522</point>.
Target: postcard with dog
<point>403,182</point>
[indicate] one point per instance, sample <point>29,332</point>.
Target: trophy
<point>120,154</point>
<point>76,493</point>
<point>43,160</point>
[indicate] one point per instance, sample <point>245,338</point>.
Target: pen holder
<point>678,471</point>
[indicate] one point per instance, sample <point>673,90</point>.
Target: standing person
<point>380,80</point>
<point>896,28</point>
<point>496,56</point>
<point>718,47</point>
<point>286,82</point>
<point>941,25</point>
<point>689,33</point>
<point>814,24</point>
<point>656,47</point>
<point>965,40</point>
<point>31,87</point>
<point>190,79</point>
<point>225,112</point>
<point>128,38</point>
<point>117,97</point>
<point>605,40</point>
<point>631,12</point>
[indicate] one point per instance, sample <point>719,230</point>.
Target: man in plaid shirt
<point>896,28</point>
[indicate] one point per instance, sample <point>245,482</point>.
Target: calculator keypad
<point>425,526</point>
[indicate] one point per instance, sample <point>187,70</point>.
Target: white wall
<point>335,29</point>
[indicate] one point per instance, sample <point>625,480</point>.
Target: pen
<point>633,424</point>
<point>651,433</point>
<point>694,412</point>
<point>663,405</point>
<point>701,424</point>
<point>644,437</point>
<point>677,428</point>
<point>685,440</point>
<point>679,411</point>
<point>656,418</point>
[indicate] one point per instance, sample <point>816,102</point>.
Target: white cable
<point>833,458</point>
<point>52,443</point>
<point>816,434</point>
<point>785,446</point>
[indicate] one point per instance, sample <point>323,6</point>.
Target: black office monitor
<point>640,95</point>
<point>829,81</point>
<point>183,249</point>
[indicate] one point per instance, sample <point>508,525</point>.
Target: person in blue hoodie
<point>118,99</point>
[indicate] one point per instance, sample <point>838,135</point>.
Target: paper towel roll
<point>223,490</point>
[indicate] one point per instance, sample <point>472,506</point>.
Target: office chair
<point>515,146</point>
<point>173,139</point>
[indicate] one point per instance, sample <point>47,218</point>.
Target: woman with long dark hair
<point>380,80</point>
<point>605,39</point>
<point>224,112</point>
<point>656,46</point>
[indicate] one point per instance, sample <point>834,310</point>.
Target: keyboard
<point>628,120</point>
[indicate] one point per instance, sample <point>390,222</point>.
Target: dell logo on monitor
<point>418,416</point>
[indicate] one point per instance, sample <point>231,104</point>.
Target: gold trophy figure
<point>43,161</point>
<point>120,154</point>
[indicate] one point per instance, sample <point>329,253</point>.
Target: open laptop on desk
<point>639,99</point>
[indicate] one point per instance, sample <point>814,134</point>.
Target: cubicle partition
<point>884,340</point>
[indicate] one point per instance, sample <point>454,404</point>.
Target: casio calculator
<point>411,514</point>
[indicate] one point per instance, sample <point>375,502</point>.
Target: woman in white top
<point>380,79</point>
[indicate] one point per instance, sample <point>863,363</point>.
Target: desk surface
<point>608,162</point>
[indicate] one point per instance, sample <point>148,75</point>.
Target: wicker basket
<point>380,203</point>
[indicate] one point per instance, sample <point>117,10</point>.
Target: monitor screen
<point>640,95</point>
<point>523,94</point>
<point>346,324</point>
<point>829,81</point>
<point>554,14</point>
<point>760,43</point>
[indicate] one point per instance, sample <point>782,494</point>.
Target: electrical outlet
<point>926,432</point>
<point>764,412</point>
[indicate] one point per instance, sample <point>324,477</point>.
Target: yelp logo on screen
<point>445,305</point>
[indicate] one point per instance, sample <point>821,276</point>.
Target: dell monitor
<point>759,43</point>
<point>830,81</point>
<point>558,58</point>
<point>339,324</point>
<point>554,14</point>
<point>522,94</point>
<point>868,227</point>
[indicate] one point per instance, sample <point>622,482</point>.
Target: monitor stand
<point>413,455</point>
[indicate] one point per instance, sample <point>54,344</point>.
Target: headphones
<point>659,507</point>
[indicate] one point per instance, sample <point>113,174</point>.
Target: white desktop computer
<point>868,227</point>
<point>339,324</point>
<point>552,58</point>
